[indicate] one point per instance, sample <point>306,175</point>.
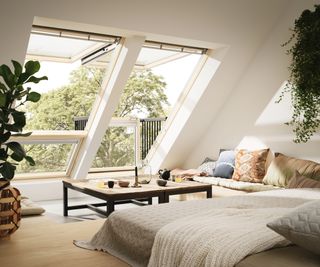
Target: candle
<point>136,171</point>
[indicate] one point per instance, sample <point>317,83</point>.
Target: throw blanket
<point>219,238</point>
<point>200,232</point>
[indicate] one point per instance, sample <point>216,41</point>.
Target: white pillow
<point>301,226</point>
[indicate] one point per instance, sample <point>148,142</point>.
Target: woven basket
<point>10,210</point>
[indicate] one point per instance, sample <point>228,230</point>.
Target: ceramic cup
<point>110,184</point>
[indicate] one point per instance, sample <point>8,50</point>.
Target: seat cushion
<point>282,168</point>
<point>28,207</point>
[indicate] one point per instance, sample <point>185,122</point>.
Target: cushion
<point>250,166</point>
<point>207,166</point>
<point>225,164</point>
<point>282,168</point>
<point>301,226</point>
<point>28,207</point>
<point>300,181</point>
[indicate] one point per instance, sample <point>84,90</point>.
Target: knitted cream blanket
<point>212,232</point>
<point>218,238</point>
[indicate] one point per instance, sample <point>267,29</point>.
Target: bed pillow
<point>207,166</point>
<point>250,166</point>
<point>282,168</point>
<point>301,226</point>
<point>300,181</point>
<point>225,164</point>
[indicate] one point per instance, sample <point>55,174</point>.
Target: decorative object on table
<point>161,182</point>
<point>164,174</point>
<point>123,183</point>
<point>146,175</point>
<point>136,181</point>
<point>304,81</point>
<point>12,96</point>
<point>110,184</point>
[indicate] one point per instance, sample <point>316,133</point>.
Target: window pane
<point>71,88</point>
<point>117,148</point>
<point>48,158</point>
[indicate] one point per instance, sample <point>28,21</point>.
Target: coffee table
<point>122,195</point>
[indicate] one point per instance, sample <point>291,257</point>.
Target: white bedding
<point>132,234</point>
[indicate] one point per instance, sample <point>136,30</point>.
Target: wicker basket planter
<point>10,209</point>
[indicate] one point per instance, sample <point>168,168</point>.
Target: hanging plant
<point>304,80</point>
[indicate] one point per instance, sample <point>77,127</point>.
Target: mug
<point>110,184</point>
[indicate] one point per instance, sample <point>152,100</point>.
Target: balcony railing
<point>149,130</point>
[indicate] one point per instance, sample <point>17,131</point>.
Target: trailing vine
<point>304,80</point>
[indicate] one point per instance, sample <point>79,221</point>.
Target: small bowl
<point>161,182</point>
<point>123,183</point>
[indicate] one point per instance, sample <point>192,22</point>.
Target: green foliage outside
<point>143,96</point>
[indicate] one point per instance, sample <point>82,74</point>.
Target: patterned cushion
<point>300,181</point>
<point>225,164</point>
<point>301,226</point>
<point>250,166</point>
<point>282,168</point>
<point>207,166</point>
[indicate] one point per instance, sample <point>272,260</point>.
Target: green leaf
<point>7,75</point>
<point>3,154</point>
<point>30,160</point>
<point>12,127</point>
<point>33,97</point>
<point>3,100</point>
<point>32,67</point>
<point>22,134</point>
<point>7,170</point>
<point>16,157</point>
<point>19,119</point>
<point>3,88</point>
<point>5,137</point>
<point>34,79</point>
<point>17,68</point>
<point>16,148</point>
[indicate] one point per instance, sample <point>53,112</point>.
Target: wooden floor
<point>41,242</point>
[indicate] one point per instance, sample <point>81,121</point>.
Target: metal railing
<point>149,130</point>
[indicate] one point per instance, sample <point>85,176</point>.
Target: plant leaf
<point>22,134</point>
<point>3,87</point>
<point>19,119</point>
<point>16,148</point>
<point>17,68</point>
<point>3,154</point>
<point>30,160</point>
<point>7,75</point>
<point>4,137</point>
<point>3,100</point>
<point>16,157</point>
<point>33,97</point>
<point>7,170</point>
<point>34,79</point>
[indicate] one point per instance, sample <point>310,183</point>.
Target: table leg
<point>110,207</point>
<point>150,201</point>
<point>65,200</point>
<point>209,193</point>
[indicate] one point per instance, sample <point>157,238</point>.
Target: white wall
<point>239,121</point>
<point>249,75</point>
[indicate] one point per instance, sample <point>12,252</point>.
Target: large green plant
<point>13,94</point>
<point>304,81</point>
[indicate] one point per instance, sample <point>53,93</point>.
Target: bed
<point>213,232</point>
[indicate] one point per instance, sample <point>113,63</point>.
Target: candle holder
<point>136,182</point>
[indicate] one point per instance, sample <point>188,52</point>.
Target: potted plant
<point>304,80</point>
<point>13,94</point>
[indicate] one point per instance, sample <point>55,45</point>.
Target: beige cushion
<point>282,168</point>
<point>250,166</point>
<point>28,207</point>
<point>301,226</point>
<point>300,181</point>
